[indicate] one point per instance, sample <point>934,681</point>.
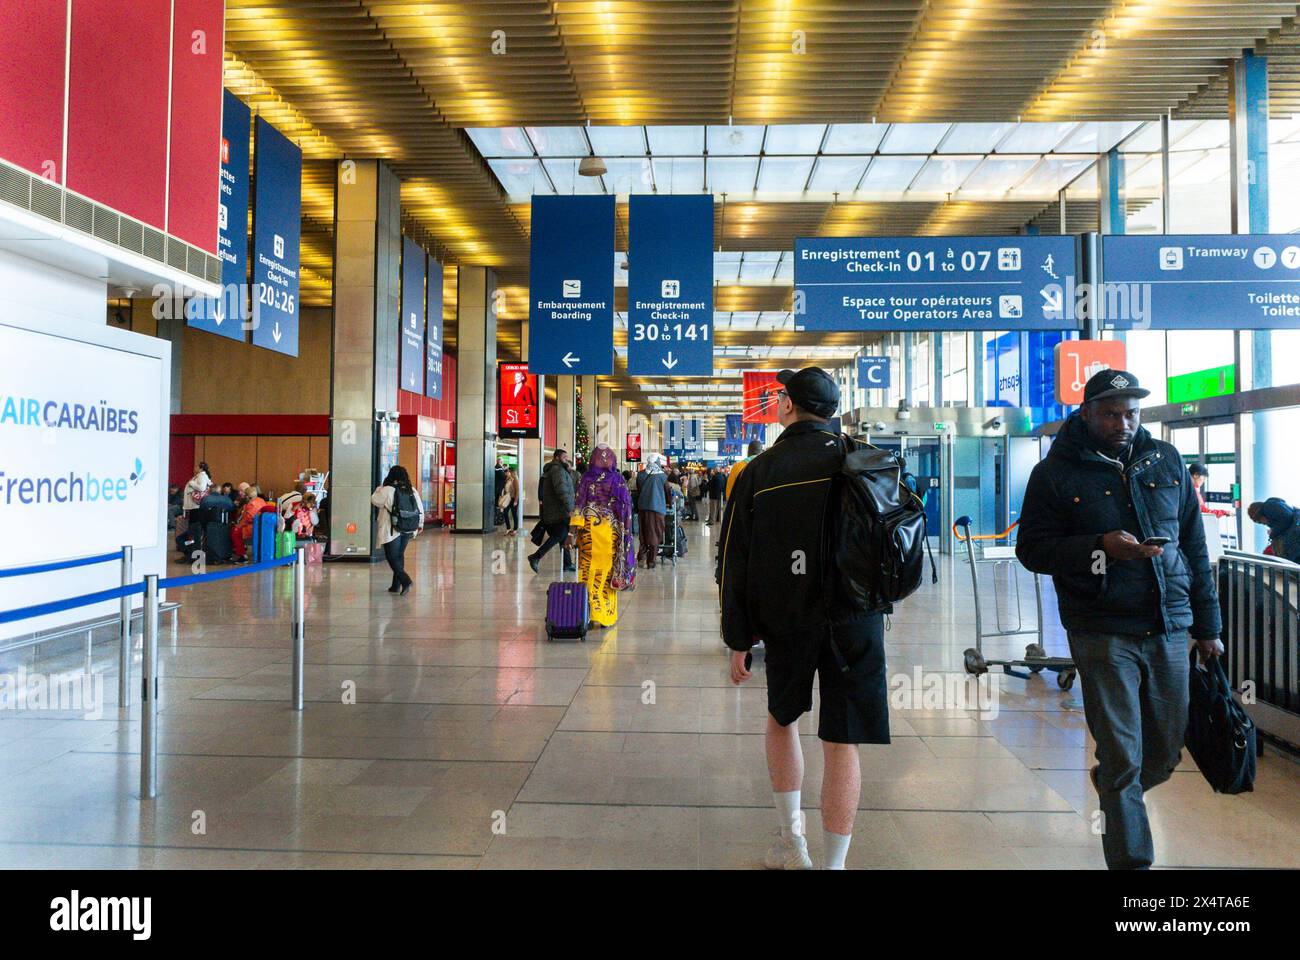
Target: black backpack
<point>878,530</point>
<point>405,513</point>
<point>1220,735</point>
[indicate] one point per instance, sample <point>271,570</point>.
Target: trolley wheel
<point>974,661</point>
<point>1065,679</point>
<point>1035,652</point>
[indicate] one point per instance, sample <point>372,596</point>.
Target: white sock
<point>837,848</point>
<point>788,813</point>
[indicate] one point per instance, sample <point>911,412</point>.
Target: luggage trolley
<point>1036,659</point>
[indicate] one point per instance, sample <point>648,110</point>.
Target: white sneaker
<point>788,854</point>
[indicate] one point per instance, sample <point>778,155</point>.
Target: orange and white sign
<point>1078,360</point>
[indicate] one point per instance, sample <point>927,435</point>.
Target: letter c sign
<point>873,373</point>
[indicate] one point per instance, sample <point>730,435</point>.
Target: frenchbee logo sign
<point>79,447</point>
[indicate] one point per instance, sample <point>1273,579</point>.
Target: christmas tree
<point>583,438</point>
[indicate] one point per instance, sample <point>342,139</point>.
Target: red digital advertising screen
<point>518,410</point>
<point>633,448</point>
<point>759,403</point>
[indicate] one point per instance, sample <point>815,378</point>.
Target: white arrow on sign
<point>569,359</point>
<point>669,362</point>
<point>1052,302</point>
<point>275,332</point>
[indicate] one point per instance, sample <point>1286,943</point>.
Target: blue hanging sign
<point>873,373</point>
<point>933,283</point>
<point>670,285</point>
<point>1200,282</point>
<point>411,349</point>
<point>571,285</point>
<point>277,225</point>
<point>225,315</point>
<point>433,332</point>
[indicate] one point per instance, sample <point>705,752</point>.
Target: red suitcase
<point>566,611</point>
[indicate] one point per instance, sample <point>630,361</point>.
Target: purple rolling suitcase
<point>566,611</point>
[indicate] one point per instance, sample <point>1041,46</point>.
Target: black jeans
<point>395,554</point>
<point>555,533</point>
<point>512,515</point>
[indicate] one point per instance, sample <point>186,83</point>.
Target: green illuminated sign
<point>1215,382</point>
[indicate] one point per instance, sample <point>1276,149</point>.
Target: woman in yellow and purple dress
<point>602,528</point>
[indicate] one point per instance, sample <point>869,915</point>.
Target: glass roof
<point>807,161</point>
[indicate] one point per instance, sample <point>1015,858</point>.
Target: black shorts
<point>854,705</point>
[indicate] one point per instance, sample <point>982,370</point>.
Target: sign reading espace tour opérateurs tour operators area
<point>225,315</point>
<point>571,285</point>
<point>933,283</point>
<point>277,224</point>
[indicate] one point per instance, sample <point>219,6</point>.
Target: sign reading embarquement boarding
<point>1208,282</point>
<point>571,286</point>
<point>932,283</point>
<point>225,315</point>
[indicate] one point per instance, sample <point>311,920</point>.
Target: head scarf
<point>603,492</point>
<point>654,463</point>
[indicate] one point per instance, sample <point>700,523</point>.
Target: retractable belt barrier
<point>150,587</point>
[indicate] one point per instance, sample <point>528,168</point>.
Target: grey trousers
<point>1135,703</point>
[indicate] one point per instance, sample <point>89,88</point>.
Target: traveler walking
<point>602,528</point>
<point>512,501</point>
<point>717,489</point>
<point>651,506</point>
<point>556,488</point>
<point>774,572</point>
<point>1109,514</point>
<point>401,518</point>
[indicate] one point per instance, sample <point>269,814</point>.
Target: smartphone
<point>1155,541</point>
<point>749,659</point>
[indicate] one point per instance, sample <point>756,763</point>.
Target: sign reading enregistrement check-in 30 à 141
<point>932,283</point>
<point>277,223</point>
<point>411,349</point>
<point>571,286</point>
<point>433,333</point>
<point>226,314</point>
<point>670,285</point>
<point>1214,282</point>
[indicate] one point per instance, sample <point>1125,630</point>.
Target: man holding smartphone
<point>1109,514</point>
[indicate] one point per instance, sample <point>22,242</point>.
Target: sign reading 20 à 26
<point>670,285</point>
<point>277,223</point>
<point>571,286</point>
<point>1211,282</point>
<point>931,283</point>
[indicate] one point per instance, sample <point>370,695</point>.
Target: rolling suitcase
<point>566,611</point>
<point>286,544</point>
<point>264,532</point>
<point>216,541</point>
<point>668,549</point>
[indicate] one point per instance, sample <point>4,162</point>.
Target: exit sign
<point>1214,382</point>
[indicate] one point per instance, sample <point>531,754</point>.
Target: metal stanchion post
<point>299,623</point>
<point>149,692</point>
<point>124,636</point>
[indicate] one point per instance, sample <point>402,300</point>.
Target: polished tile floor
<point>442,730</point>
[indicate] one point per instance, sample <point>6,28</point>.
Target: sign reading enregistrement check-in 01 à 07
<point>1207,282</point>
<point>932,283</point>
<point>571,286</point>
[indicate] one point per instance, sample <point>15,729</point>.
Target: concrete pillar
<point>367,287</point>
<point>565,410</point>
<point>531,451</point>
<point>1110,183</point>
<point>476,399</point>
<point>1248,96</point>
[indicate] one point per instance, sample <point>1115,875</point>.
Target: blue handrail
<point>61,565</point>
<point>55,606</point>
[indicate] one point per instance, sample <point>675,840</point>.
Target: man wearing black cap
<point>1109,514</point>
<point>773,577</point>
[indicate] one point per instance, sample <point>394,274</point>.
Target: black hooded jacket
<point>1075,496</point>
<point>1283,528</point>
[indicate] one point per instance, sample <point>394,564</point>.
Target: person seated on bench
<point>243,530</point>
